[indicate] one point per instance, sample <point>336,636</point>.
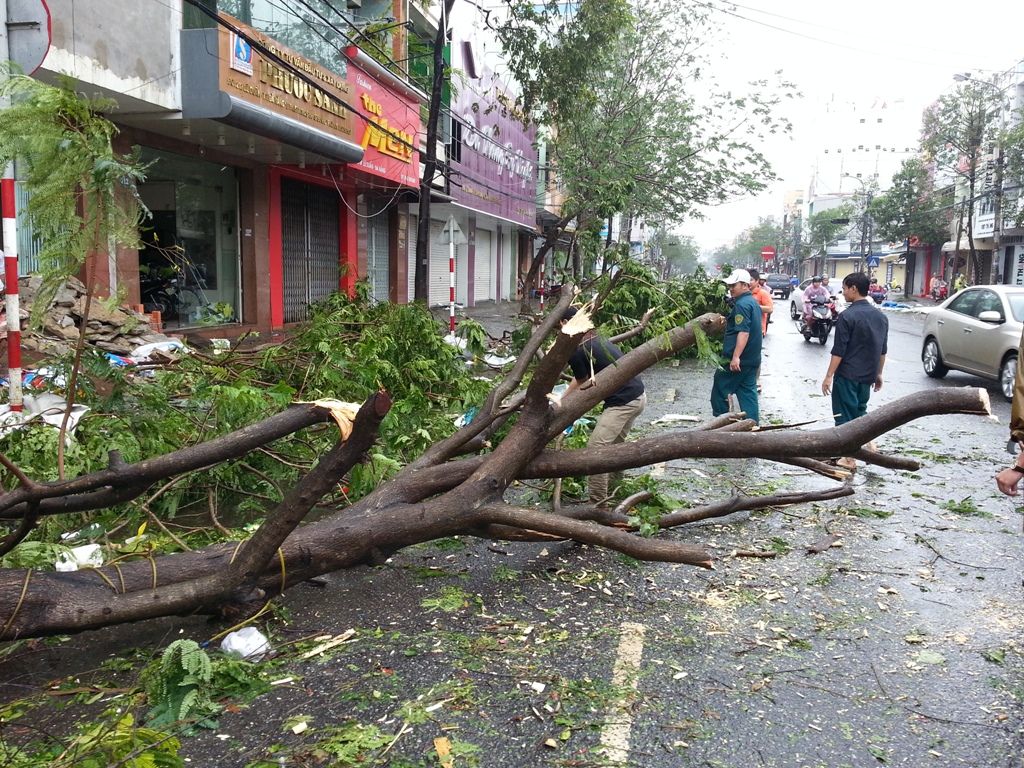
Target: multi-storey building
<point>283,147</point>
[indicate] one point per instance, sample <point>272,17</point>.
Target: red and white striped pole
<point>542,291</point>
<point>451,273</point>
<point>10,253</point>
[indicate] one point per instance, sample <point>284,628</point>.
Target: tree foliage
<point>83,193</point>
<point>639,130</point>
<point>955,131</point>
<point>825,227</point>
<point>912,208</point>
<point>678,254</point>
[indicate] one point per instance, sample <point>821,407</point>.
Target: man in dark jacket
<point>621,407</point>
<point>858,354</point>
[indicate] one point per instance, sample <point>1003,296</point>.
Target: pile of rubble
<point>119,330</point>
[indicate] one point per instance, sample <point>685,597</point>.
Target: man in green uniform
<point>741,350</point>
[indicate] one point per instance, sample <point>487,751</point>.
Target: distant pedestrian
<point>621,407</point>
<point>858,355</point>
<point>741,350</point>
<point>763,297</point>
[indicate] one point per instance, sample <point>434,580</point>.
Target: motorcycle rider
<point>814,290</point>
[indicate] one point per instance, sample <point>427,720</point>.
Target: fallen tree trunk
<point>436,496</point>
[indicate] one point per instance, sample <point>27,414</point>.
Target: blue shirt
<point>744,317</point>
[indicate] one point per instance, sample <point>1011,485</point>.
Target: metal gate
<point>310,246</point>
<point>482,277</point>
<point>378,250</point>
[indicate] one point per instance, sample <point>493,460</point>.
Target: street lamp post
<point>997,179</point>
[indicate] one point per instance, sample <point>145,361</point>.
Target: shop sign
<point>253,77</point>
<point>497,170</point>
<point>389,128</point>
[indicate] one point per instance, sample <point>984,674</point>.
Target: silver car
<point>977,331</point>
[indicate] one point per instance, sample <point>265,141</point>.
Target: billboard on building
<point>388,128</point>
<point>493,156</point>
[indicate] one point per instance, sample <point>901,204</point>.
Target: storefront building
<point>273,178</point>
<point>493,182</point>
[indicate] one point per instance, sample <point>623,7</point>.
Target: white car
<point>796,298</point>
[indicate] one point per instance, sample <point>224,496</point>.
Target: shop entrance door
<point>310,246</point>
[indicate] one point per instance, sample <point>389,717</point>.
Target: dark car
<point>778,285</point>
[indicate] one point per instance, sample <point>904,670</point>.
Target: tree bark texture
<point>443,493</point>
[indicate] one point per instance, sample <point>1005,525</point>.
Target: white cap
<point>738,276</point>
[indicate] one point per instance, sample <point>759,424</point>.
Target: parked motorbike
<point>158,294</point>
<point>823,317</point>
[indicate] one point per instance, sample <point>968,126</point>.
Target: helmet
<point>816,279</point>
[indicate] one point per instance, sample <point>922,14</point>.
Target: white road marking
<point>618,723</point>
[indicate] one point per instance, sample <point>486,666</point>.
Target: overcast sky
<point>886,49</point>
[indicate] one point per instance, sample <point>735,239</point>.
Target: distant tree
<point>679,254</point>
<point>767,232</point>
<point>636,133</point>
<point>825,227</point>
<point>912,207</point>
<point>1012,143</point>
<point>954,131</point>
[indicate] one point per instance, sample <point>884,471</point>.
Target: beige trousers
<point>612,427</point>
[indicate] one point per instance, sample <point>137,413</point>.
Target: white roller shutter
<point>412,234</point>
<point>439,286</point>
<point>483,276</point>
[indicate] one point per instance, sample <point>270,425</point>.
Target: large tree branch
<point>835,441</point>
<point>122,482</point>
<point>658,550</point>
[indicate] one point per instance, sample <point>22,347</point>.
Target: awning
<point>980,244</point>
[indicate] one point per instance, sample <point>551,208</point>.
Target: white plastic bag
<point>170,347</point>
<point>87,555</point>
<point>248,642</point>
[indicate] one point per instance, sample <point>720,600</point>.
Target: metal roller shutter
<point>378,251</point>
<point>483,277</point>
<point>413,229</point>
<point>310,246</point>
<point>439,280</point>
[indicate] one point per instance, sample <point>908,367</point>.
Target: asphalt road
<point>901,645</point>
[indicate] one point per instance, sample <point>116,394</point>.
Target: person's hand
<point>735,364</point>
<point>878,383</point>
<point>826,385</point>
<point>1008,480</point>
<point>556,400</point>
